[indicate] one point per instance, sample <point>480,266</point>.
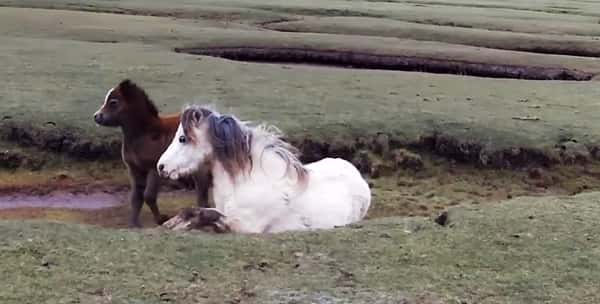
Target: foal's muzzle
<point>105,120</point>
<point>99,118</point>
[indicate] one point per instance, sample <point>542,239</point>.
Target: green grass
<point>332,104</point>
<point>524,251</point>
<point>567,17</point>
<point>58,64</point>
<point>543,43</point>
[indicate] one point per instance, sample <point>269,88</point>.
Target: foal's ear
<point>128,89</point>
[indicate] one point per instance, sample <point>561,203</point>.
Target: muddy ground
<point>416,184</point>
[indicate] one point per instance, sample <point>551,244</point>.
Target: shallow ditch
<point>356,60</point>
<point>409,178</point>
<point>420,178</point>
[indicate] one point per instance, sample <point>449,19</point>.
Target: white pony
<point>259,185</point>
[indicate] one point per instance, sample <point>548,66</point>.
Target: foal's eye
<point>182,139</point>
<point>113,103</point>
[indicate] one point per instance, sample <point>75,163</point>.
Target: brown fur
<point>146,135</point>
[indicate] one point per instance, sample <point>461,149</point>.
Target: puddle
<point>83,201</point>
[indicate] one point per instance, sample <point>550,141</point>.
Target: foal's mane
<point>135,94</point>
<point>232,140</point>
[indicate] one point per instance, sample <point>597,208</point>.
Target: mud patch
<point>105,209</point>
<point>66,200</point>
<point>356,60</point>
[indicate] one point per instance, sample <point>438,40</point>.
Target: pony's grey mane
<point>271,137</point>
<point>232,140</point>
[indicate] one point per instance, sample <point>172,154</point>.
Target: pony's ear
<point>197,116</point>
<point>225,129</point>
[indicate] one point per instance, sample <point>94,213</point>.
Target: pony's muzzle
<point>161,170</point>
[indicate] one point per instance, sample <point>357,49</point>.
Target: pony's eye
<point>182,139</point>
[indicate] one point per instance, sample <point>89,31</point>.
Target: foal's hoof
<point>162,219</point>
<point>134,226</point>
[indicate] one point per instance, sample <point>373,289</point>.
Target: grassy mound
<point>526,251</point>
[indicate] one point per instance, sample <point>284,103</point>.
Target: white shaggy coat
<point>271,196</point>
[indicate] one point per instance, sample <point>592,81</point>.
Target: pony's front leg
<point>198,218</point>
<point>151,194</point>
<point>138,185</point>
<point>223,224</point>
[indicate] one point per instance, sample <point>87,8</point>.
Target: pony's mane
<point>271,138</point>
<point>133,92</point>
<point>232,140</point>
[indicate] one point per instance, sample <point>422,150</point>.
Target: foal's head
<point>123,103</point>
<point>204,136</point>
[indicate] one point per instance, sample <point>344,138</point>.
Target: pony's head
<point>205,136</point>
<point>122,103</point>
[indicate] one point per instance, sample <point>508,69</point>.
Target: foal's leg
<point>150,195</point>
<point>202,182</point>
<point>138,184</point>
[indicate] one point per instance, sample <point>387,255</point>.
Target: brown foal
<point>146,135</point>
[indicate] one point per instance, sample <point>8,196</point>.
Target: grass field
<point>41,96</point>
<point>517,234</point>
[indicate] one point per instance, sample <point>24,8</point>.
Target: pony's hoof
<point>212,220</point>
<point>209,216</point>
<point>207,219</point>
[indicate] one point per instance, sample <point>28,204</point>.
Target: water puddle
<point>83,201</point>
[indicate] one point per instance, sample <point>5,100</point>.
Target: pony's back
<point>336,195</point>
<point>342,175</point>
